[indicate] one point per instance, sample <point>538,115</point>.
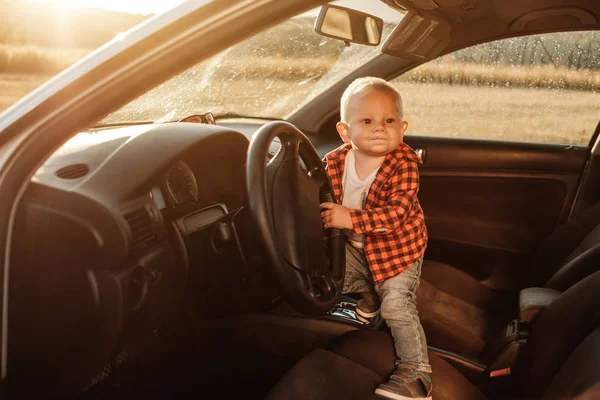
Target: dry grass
<point>452,73</point>
<point>15,86</point>
<point>513,114</point>
<point>37,60</point>
<point>537,76</point>
<point>538,104</point>
<point>280,68</point>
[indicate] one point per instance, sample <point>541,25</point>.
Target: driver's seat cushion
<point>349,369</point>
<point>457,312</point>
<point>322,374</point>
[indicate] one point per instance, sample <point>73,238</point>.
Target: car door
<point>504,131</point>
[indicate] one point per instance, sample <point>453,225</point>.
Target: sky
<point>130,6</point>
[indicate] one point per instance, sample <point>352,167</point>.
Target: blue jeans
<point>398,306</point>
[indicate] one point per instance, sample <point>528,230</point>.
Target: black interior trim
<point>469,367</point>
<point>458,154</point>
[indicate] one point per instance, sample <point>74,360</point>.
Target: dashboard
<point>120,231</point>
<point>127,221</point>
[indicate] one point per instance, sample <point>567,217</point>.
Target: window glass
<point>541,88</point>
<point>269,75</point>
<point>40,38</point>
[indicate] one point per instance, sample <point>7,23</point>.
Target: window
<point>542,88</point>
<point>40,38</point>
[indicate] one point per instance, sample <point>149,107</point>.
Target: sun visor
<point>422,4</point>
<point>417,37</point>
<point>554,18</point>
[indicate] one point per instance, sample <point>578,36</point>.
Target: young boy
<point>376,180</point>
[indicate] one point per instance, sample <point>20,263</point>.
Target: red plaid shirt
<point>392,222</point>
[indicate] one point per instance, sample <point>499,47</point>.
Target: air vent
<point>143,230</point>
<point>73,171</point>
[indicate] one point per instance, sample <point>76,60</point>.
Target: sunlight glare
<point>129,6</point>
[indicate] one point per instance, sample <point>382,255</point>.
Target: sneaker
<point>405,384</point>
<point>365,312</point>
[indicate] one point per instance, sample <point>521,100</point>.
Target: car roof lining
<point>477,21</point>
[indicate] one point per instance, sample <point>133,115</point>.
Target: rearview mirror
<point>349,25</point>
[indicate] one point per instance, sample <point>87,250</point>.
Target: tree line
<point>570,50</point>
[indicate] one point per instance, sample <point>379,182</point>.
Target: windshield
<point>270,75</point>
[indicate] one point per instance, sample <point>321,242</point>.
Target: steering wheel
<point>283,197</point>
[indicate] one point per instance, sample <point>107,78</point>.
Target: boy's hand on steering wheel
<point>336,216</point>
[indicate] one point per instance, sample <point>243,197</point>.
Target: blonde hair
<point>362,86</point>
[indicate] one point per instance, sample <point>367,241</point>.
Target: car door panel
<point>489,205</point>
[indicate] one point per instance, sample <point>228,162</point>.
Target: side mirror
<point>349,25</point>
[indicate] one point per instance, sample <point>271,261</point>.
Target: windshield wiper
<point>233,115</point>
<point>115,124</point>
<point>217,117</point>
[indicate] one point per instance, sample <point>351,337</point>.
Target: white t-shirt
<point>355,192</point>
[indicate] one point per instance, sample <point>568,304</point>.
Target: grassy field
<point>447,72</point>
<point>510,104</point>
<point>435,109</point>
<point>20,66</point>
<point>35,60</point>
<point>15,86</point>
<point>516,114</point>
<point>537,76</point>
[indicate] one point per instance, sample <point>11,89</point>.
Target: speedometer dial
<point>181,183</point>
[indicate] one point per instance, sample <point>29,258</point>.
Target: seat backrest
<point>557,334</point>
<point>579,377</point>
<point>568,242</point>
<point>590,240</point>
<point>581,266</point>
